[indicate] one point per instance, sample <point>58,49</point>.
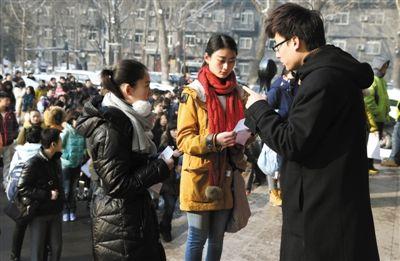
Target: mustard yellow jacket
<point>191,140</point>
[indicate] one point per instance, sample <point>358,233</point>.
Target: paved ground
<point>258,241</point>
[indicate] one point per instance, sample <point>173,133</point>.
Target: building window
<point>69,33</point>
<point>138,37</point>
<point>340,43</point>
<point>47,10</point>
<point>247,18</point>
<point>141,13</point>
<point>245,43</point>
<point>244,69</point>
<point>190,40</point>
<point>47,33</point>
<point>341,18</point>
<point>169,40</point>
<point>92,12</point>
<point>219,16</point>
<point>92,35</point>
<point>376,19</point>
<point>373,48</point>
<point>69,11</point>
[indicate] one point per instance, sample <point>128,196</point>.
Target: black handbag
<point>19,212</point>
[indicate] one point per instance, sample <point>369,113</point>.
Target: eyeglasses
<point>276,47</point>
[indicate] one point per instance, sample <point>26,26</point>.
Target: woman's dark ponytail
<point>126,71</point>
<point>108,82</point>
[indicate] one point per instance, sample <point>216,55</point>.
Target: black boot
<point>165,233</point>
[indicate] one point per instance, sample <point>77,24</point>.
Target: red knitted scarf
<point>220,120</point>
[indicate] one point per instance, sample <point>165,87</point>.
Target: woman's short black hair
<point>49,136</point>
<point>290,20</point>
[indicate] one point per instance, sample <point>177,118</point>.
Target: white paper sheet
<point>85,168</point>
<point>156,188</point>
<point>242,132</point>
<point>167,153</point>
<point>373,148</point>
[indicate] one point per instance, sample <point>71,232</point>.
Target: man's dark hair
<point>52,79</point>
<point>4,94</point>
<point>33,134</point>
<point>290,20</point>
<point>49,136</point>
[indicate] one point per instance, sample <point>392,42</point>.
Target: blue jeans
<point>395,141</point>
<point>70,180</point>
<point>205,225</point>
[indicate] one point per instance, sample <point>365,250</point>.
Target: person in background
<point>40,185</point>
<point>8,87</point>
<point>28,102</point>
<point>30,76</point>
<point>74,147</point>
<point>376,101</point>
<point>394,158</point>
<point>54,117</point>
<point>159,128</point>
<point>22,154</point>
<point>280,97</point>
<point>52,84</point>
<point>8,133</point>
<point>34,120</point>
<point>89,90</point>
<point>41,90</point>
<point>170,187</point>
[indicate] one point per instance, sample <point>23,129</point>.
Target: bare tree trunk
<point>260,50</point>
<point>179,50</point>
<point>260,46</point>
<point>53,34</point>
<point>23,39</point>
<point>145,33</point>
<point>396,60</point>
<point>162,40</point>
<point>117,32</point>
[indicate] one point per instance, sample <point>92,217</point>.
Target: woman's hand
<point>226,139</point>
<point>54,195</point>
<point>169,162</point>
<point>177,154</point>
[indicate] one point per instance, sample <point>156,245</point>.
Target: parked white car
<point>29,82</point>
<point>81,75</point>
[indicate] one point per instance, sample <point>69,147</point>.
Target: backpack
<point>15,174</point>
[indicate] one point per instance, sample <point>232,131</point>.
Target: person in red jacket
<point>8,132</point>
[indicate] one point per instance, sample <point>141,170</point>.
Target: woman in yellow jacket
<point>209,110</point>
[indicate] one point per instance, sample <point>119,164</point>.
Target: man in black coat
<point>324,179</point>
<point>40,188</point>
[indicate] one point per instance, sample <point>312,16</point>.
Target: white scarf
<point>141,138</point>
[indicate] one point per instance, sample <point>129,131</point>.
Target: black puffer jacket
<point>124,221</point>
<point>39,177</point>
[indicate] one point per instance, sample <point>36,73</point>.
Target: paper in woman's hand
<point>167,153</point>
<point>242,132</point>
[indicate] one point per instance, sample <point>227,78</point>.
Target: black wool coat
<point>324,177</point>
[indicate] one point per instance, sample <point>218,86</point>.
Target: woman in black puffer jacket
<point>117,129</point>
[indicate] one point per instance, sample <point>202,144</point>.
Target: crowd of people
<point>314,118</point>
